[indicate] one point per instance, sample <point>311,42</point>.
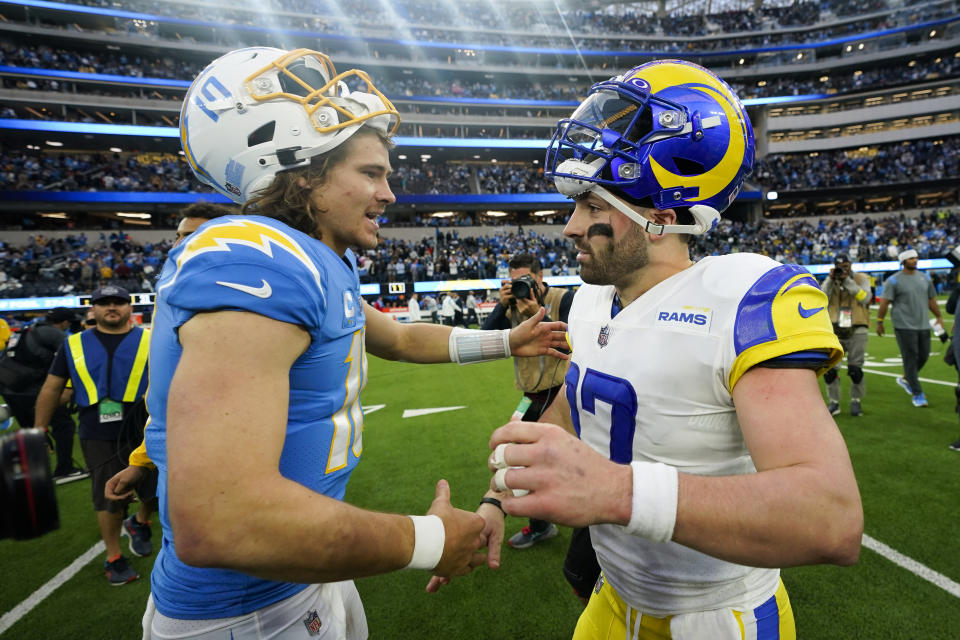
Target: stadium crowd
<point>80,263</point>
<point>910,161</point>
<point>33,56</point>
<point>440,22</point>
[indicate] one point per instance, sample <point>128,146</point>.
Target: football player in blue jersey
<point>258,358</point>
<point>703,457</point>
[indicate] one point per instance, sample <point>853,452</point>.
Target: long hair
<point>287,200</point>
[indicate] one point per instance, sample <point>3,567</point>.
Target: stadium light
<point>772,195</point>
<point>126,214</point>
<point>116,149</point>
<point>441,214</point>
<point>545,212</point>
<point>495,214</point>
<point>401,157</point>
<point>54,143</point>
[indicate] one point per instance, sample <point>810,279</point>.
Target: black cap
<point>61,314</point>
<point>109,291</point>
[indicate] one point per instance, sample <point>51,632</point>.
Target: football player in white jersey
<point>258,358</point>
<point>706,458</point>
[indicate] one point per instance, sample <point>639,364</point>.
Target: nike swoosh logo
<point>806,313</point>
<point>263,291</point>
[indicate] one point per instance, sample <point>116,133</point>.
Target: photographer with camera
<point>849,308</point>
<point>541,380</point>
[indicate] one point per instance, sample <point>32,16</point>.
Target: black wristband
<point>494,502</point>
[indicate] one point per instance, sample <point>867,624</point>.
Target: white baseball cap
<point>906,255</point>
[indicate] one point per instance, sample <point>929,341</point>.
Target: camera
<point>28,502</point>
<point>523,286</point>
<point>841,267</point>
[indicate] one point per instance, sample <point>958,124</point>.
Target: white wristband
<point>654,510</point>
<point>467,346</point>
<point>428,538</point>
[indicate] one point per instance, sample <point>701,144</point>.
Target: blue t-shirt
<point>260,265</point>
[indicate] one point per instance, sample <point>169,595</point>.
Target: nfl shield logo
<point>604,336</point>
<point>312,623</point>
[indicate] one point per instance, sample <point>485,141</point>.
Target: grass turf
<point>908,479</point>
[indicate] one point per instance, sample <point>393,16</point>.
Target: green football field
<point>904,586</point>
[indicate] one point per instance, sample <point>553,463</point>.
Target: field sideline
<point>908,478</point>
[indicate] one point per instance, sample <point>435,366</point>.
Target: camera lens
<point>28,502</point>
<point>521,289</point>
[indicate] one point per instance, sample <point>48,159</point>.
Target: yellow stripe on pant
<point>607,616</point>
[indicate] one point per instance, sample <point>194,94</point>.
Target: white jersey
<point>653,383</point>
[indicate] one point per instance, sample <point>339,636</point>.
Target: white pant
<point>330,611</point>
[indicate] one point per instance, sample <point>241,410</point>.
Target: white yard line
<point>897,375</point>
<point>11,617</point>
<point>914,567</point>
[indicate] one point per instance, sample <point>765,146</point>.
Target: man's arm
<point>48,400</point>
<point>559,413</point>
<point>801,507</point>
<point>935,310</point>
<point>881,314</point>
<point>430,343</point>
<point>497,318</point>
<point>858,288</point>
<point>828,284</point>
<point>229,505</point>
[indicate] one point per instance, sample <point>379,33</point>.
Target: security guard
<point>107,367</point>
<point>849,308</point>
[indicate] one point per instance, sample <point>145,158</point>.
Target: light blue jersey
<point>260,265</point>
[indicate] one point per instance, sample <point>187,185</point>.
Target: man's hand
<point>506,293</point>
<point>492,533</point>
<point>569,482</point>
<point>534,338</point>
<point>880,327</point>
<point>121,485</point>
<point>527,307</point>
<point>463,536</point>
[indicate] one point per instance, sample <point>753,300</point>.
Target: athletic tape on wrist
<point>654,510</point>
<point>429,536</point>
<point>474,345</point>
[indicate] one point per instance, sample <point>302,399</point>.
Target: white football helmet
<point>255,112</point>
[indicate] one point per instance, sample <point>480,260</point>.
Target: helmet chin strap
<point>705,217</point>
<point>570,184</point>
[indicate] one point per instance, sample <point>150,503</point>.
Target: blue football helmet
<point>669,132</point>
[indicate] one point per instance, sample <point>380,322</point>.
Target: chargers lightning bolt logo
<point>247,233</point>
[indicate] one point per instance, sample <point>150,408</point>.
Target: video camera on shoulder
<point>28,502</point>
<point>525,287</point>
